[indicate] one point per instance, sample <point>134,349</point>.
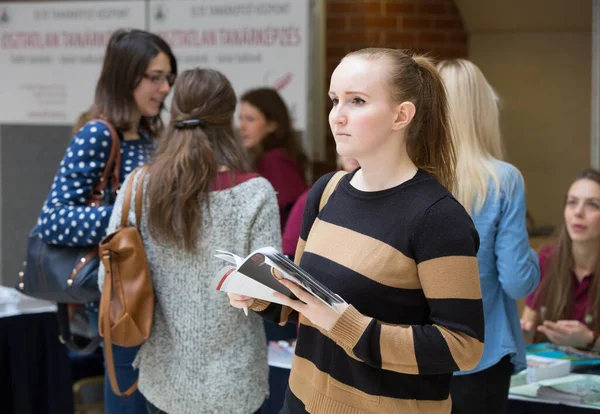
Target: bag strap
<point>139,191</point>
<point>139,196</point>
<point>105,298</point>
<point>330,188</point>
<point>114,163</point>
<point>327,191</point>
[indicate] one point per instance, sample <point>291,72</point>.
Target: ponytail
<point>429,143</point>
<point>181,175</point>
<point>197,142</point>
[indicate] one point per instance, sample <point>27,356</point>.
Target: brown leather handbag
<point>127,300</point>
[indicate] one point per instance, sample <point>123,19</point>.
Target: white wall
<point>544,79</point>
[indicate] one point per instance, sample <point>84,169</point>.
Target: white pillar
<point>595,127</point>
<point>316,98</point>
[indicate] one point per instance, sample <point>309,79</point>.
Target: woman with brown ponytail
<point>565,308</point>
<point>393,243</point>
<point>199,197</point>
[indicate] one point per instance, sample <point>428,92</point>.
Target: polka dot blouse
<point>66,219</point>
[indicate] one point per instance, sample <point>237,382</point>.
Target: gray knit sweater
<point>204,356</point>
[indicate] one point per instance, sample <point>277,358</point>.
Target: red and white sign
<point>253,43</point>
<point>51,56</point>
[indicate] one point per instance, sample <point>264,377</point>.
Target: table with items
<point>557,380</point>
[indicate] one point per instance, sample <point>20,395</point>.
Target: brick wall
<point>431,26</point>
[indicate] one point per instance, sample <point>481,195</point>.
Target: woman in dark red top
<point>291,232</point>
<point>565,308</point>
<point>267,133</point>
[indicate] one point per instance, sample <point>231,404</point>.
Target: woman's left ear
<point>404,114</point>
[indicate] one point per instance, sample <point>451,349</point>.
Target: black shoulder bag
<point>69,274</point>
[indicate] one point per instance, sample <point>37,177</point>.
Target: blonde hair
<point>475,130</point>
<point>414,78</point>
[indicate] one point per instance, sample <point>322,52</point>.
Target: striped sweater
<point>405,260</point>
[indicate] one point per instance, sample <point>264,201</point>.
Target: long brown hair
<point>415,79</point>
<point>187,159</point>
<point>556,290</point>
<point>127,56</point>
<point>271,105</point>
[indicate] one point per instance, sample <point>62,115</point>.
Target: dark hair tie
<point>188,123</point>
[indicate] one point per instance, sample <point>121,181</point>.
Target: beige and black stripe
<point>405,259</point>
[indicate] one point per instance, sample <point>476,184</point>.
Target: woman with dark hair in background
<point>137,73</point>
<point>277,154</point>
<point>565,308</point>
<point>202,356</point>
<point>276,151</point>
<point>291,232</point>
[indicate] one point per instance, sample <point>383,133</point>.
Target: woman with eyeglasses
<point>138,71</point>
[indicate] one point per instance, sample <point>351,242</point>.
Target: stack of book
<point>573,389</point>
<point>584,390</point>
<point>541,368</point>
<point>580,360</point>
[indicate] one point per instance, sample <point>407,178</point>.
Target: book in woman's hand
<point>258,276</point>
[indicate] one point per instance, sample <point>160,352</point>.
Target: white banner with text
<point>254,43</point>
<point>51,56</point>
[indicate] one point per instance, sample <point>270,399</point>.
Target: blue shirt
<point>508,268</point>
<point>65,218</point>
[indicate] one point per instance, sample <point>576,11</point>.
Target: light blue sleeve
<point>516,261</point>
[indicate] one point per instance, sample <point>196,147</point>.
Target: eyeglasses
<point>160,78</point>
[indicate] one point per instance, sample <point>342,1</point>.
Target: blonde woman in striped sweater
<point>394,243</point>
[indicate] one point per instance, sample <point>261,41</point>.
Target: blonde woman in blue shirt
<point>492,192</point>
